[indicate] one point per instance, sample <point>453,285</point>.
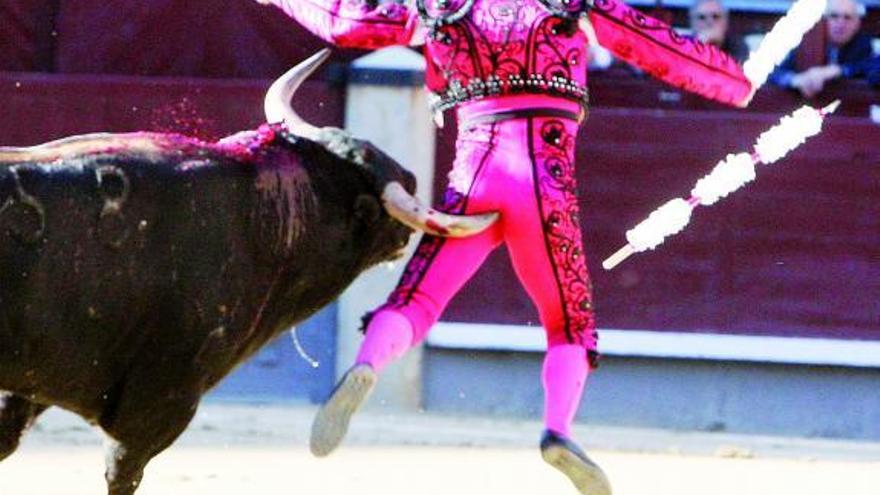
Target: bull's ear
<point>367,209</point>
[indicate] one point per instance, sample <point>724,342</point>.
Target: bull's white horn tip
<point>475,223</point>
<point>486,220</point>
<point>319,57</point>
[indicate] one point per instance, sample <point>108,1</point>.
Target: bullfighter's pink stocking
<point>391,338</point>
<point>564,374</point>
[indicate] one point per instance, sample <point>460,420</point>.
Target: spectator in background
<point>710,22</point>
<point>848,52</point>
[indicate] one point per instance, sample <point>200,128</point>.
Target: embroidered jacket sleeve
<point>661,52</point>
<point>362,24</point>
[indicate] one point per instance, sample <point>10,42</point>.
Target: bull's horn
<point>277,103</point>
<point>407,209</point>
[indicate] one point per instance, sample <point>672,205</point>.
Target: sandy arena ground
<point>262,450</point>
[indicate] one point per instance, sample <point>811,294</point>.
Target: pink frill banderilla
<point>732,173</point>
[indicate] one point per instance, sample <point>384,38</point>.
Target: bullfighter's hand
<point>748,99</point>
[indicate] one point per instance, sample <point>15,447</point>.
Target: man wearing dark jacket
<point>848,52</point>
<point>874,72</point>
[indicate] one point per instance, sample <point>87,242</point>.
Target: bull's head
<point>389,176</point>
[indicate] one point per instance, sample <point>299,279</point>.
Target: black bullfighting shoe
<point>566,456</point>
<point>332,420</point>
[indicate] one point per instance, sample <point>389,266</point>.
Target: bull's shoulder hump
<point>140,143</point>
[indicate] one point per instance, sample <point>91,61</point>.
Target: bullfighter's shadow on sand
<point>137,270</point>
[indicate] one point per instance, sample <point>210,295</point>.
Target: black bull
<point>137,270</point>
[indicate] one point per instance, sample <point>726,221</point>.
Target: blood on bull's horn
<point>400,204</point>
<point>407,209</point>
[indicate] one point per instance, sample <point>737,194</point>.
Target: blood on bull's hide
<point>137,270</point>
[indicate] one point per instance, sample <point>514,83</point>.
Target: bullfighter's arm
<point>364,24</point>
<point>661,52</point>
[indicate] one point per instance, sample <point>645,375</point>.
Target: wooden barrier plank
<point>41,107</point>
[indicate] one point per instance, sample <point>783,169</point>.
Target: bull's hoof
<point>17,414</point>
<point>8,446</point>
<point>331,423</point>
<point>564,455</point>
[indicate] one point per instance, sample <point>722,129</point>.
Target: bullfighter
<point>515,73</point>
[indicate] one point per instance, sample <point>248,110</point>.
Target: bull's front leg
<point>143,418</point>
<point>17,414</point>
<point>135,441</point>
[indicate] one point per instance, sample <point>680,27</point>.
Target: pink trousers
<point>522,167</point>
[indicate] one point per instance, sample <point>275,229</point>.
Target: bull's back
<point>116,248</point>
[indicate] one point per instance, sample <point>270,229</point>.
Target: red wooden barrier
<point>795,253</point>
<point>39,108</point>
